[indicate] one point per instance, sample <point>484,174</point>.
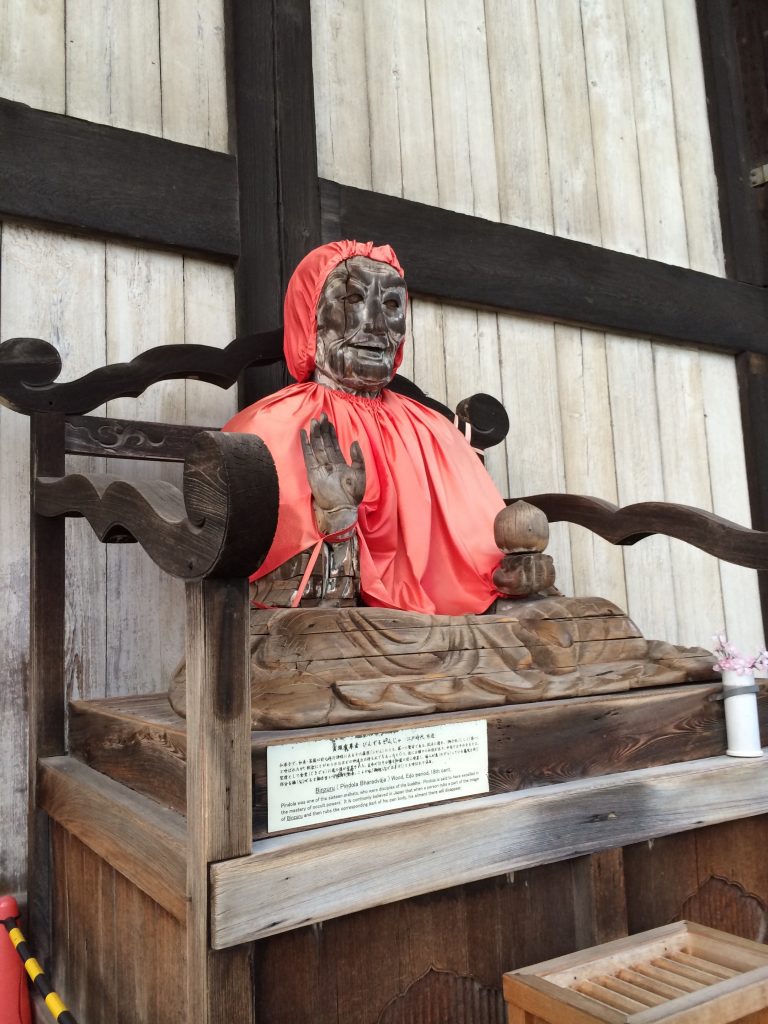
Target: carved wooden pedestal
<point>318,666</point>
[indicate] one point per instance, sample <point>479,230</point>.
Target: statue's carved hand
<point>337,486</point>
<point>520,575</point>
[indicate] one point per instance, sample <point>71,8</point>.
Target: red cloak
<point>425,525</point>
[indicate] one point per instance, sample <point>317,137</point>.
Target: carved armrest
<point>719,537</point>
<point>220,525</point>
<point>29,368</point>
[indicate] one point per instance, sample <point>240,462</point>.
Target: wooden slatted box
<point>680,973</point>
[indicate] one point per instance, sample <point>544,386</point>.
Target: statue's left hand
<point>337,486</point>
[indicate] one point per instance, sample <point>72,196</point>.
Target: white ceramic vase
<point>741,723</point>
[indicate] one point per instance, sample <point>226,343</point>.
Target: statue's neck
<point>322,378</point>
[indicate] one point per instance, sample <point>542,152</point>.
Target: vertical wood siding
<point>585,118</point>
<point>154,67</point>
<point>96,302</point>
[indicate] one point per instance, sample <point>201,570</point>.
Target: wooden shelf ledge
<point>295,880</point>
<point>298,879</point>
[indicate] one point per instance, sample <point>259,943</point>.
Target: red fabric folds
<point>425,524</point>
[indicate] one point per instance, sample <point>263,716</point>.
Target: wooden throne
<point>149,851</point>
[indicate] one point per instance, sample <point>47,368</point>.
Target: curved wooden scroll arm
<point>716,536</point>
<point>29,368</point>
<point>221,525</point>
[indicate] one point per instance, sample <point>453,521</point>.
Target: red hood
<point>303,293</point>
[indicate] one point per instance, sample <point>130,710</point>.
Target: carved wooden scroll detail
<point>719,537</point>
<point>321,666</point>
<point>29,368</point>
<point>221,525</point>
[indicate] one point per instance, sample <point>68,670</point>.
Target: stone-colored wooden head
<point>360,326</point>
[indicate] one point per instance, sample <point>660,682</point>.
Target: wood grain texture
<point>588,453</point>
<point>730,490</point>
<point>405,961</point>
<point>209,314</point>
<point>53,286</point>
<point>682,411</point>
<point>599,897</point>
<point>258,281</point>
<point>343,143</point>
<point>744,258</point>
<point>46,711</point>
<point>471,348</point>
<point>715,876</point>
<point>752,371</point>
<point>121,954</point>
<point>519,125</point>
<point>400,855</point>
<point>113,64</point>
<point>112,181</point>
<point>557,988</point>
<point>536,425</point>
<point>694,144</point>
<point>141,743</point>
<point>32,53</point>
<point>327,666</point>
<point>218,787</point>
<point>399,93</point>
<point>138,741</point>
<point>272,78</point>
<point>128,439</point>
<point>206,530</point>
<point>461,108</point>
<point>632,523</point>
<point>32,365</point>
<point>193,76</point>
<point>138,837</point>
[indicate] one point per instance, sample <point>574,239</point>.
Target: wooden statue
<point>408,536</point>
<point>410,513</point>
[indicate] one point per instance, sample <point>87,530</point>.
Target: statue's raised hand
<point>337,486</point>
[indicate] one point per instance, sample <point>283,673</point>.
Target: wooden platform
<point>140,741</point>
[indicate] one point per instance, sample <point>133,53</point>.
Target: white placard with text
<point>316,781</point>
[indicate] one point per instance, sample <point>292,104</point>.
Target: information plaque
<point>317,781</point>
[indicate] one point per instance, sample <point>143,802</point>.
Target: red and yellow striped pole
<point>9,912</point>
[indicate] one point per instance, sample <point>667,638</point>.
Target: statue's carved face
<point>360,326</point>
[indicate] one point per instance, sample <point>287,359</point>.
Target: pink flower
<point>729,659</point>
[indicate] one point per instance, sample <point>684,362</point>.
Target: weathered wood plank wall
<point>157,69</point>
<point>585,118</point>
<point>154,66</point>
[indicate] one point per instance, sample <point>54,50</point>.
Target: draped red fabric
<point>425,525</point>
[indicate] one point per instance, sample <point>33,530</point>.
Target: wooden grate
<point>679,974</point>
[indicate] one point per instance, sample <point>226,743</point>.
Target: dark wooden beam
<point>296,145</point>
<point>743,240</point>
<point>252,85</point>
<point>271,69</point>
<point>752,373</point>
<point>472,261</point>
<point>103,180</point>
